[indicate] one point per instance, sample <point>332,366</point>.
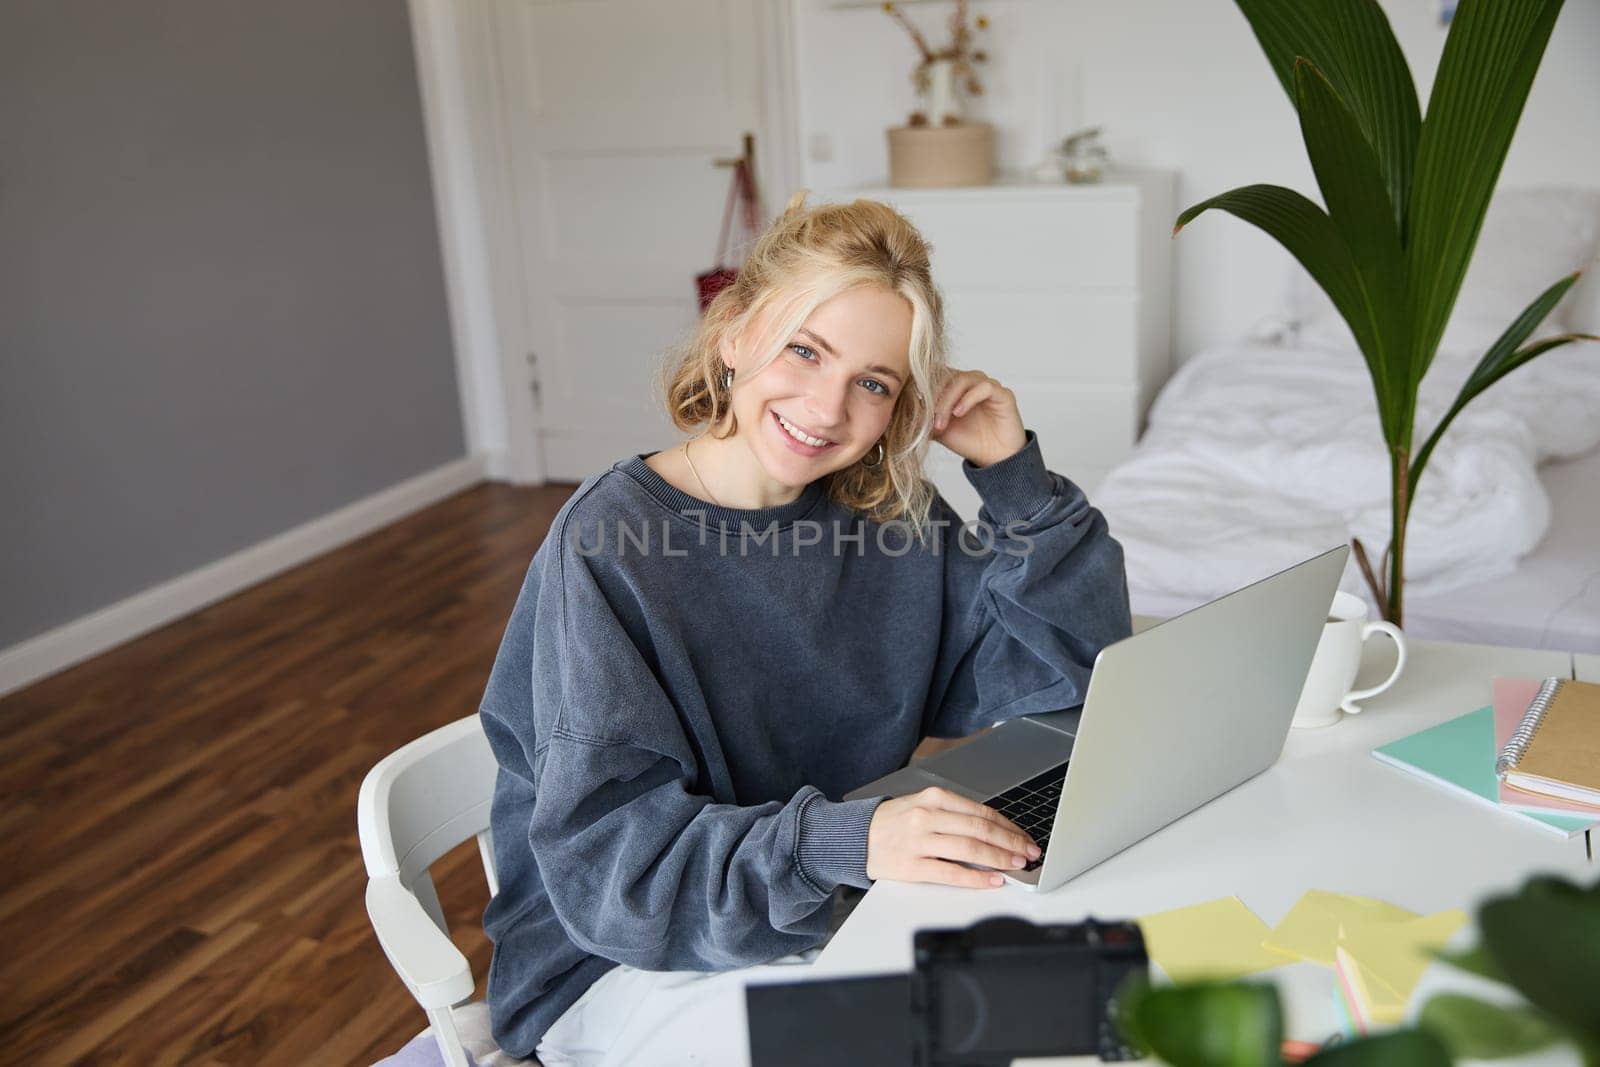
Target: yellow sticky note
<point>1311,929</point>
<point>1396,954</point>
<point>1218,939</point>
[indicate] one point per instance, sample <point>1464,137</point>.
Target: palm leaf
<point>1358,203</point>
<point>1351,43</point>
<point>1490,57</point>
<point>1501,359</point>
<point>1306,231</point>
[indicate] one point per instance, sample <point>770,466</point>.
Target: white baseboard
<point>76,641</point>
<point>497,465</point>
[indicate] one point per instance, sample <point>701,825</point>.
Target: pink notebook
<point>1511,699</point>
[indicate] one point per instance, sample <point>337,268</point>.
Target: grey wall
<point>222,307</point>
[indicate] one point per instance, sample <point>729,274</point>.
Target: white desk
<point>1326,816</point>
<point>1586,667</point>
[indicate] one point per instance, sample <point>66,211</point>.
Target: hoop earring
<point>727,379</point>
<point>875,466</point>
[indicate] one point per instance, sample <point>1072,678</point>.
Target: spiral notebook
<point>1459,755</point>
<point>1555,750</point>
<point>1511,699</point>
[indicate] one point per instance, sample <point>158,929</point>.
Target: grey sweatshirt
<point>683,691</point>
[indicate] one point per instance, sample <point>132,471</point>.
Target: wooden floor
<point>181,879</point>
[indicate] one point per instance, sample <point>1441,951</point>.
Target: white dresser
<point>1062,292</point>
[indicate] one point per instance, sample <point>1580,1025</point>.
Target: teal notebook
<point>1460,755</point>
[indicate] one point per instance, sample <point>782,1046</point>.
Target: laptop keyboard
<point>1032,806</point>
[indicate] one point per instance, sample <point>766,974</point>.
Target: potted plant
<point>937,146</point>
<point>1542,941</point>
<point>1404,199</point>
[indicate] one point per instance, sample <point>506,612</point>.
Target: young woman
<point>717,641</point>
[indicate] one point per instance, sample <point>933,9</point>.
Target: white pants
<point>634,1018</point>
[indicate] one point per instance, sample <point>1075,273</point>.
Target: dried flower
<point>959,52</point>
<point>916,35</point>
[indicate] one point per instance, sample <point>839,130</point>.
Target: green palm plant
<point>1405,199</point>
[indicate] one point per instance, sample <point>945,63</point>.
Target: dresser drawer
<point>1076,336</point>
<point>1090,426</point>
<point>1008,244</point>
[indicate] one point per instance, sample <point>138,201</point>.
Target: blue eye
<point>810,356</point>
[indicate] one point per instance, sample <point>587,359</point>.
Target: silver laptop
<point>1174,716</point>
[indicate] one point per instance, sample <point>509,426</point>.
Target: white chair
<point>417,804</point>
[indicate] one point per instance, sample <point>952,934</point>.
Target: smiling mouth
<point>800,435</point>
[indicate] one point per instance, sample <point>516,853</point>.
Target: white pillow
<point>1531,238</point>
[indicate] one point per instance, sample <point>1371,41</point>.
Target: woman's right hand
<point>927,836</point>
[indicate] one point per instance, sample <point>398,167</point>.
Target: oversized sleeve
<point>1033,591</point>
<point>641,866</point>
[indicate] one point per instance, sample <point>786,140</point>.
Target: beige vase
<point>931,156</point>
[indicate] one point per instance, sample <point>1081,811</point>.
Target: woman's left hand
<point>977,418</point>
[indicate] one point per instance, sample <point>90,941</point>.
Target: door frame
<point>465,116</point>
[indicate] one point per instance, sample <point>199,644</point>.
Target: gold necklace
<point>697,477</point>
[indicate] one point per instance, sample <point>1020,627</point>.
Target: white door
<point>615,111</point>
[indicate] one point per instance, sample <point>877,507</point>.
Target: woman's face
<point>836,381</point>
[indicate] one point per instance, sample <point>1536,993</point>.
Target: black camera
<point>977,997</point>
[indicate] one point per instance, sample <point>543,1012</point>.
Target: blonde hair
<point>806,257</point>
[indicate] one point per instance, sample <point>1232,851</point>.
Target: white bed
<point>1264,451</point>
<point>1551,600</point>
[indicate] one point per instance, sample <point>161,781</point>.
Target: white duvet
<point>1259,455</point>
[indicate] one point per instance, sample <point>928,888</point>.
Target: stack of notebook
<point>1533,753</point>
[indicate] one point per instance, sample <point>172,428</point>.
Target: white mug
<point>1327,690</point>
